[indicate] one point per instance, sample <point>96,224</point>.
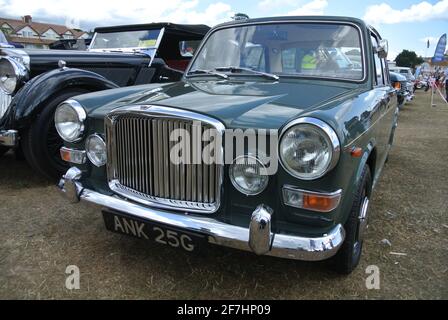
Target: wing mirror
<point>383,48</point>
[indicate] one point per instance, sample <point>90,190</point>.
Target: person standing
<point>309,61</point>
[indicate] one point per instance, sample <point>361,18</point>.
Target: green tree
<point>408,59</point>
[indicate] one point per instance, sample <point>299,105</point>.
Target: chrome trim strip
<point>249,23</point>
<point>219,233</point>
<point>325,128</point>
<point>160,198</point>
<point>324,194</point>
<point>372,125</point>
<point>159,40</point>
<point>92,42</point>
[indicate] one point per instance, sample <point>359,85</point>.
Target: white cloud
<point>423,11</point>
<point>100,13</point>
<point>312,8</point>
<point>392,54</point>
<point>277,4</point>
<point>215,13</point>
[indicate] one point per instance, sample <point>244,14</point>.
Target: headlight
<point>248,175</point>
<point>12,73</point>
<point>309,148</point>
<point>69,120</point>
<point>96,150</point>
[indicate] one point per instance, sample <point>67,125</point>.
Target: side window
<point>187,48</point>
<point>379,79</point>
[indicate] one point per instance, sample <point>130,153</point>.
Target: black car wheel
<point>349,254</point>
<point>3,150</point>
<point>41,142</point>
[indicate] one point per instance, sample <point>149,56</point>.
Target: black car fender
<point>34,95</point>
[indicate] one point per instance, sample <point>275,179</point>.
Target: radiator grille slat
<point>5,101</point>
<point>143,167</point>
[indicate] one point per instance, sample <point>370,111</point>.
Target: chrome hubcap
<point>363,219</point>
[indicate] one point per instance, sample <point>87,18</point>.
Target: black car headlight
<point>309,148</point>
<point>12,73</point>
<point>69,120</point>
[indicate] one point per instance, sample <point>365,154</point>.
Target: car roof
<point>199,29</point>
<point>399,77</point>
<point>295,18</point>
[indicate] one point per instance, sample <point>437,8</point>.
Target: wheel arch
<point>33,97</point>
<point>369,158</point>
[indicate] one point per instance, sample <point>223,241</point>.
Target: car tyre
<point>41,142</point>
<point>3,150</point>
<point>349,255</point>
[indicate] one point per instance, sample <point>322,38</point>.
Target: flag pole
<point>438,57</point>
<point>432,96</point>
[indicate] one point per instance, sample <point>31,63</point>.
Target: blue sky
<point>405,23</point>
<point>401,34</point>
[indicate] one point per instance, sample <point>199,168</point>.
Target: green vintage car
<point>272,142</point>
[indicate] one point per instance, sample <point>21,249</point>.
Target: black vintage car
<point>34,82</point>
<point>71,44</point>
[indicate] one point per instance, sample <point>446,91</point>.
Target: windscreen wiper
<point>210,72</point>
<point>239,69</point>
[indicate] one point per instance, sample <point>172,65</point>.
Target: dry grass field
<point>40,235</point>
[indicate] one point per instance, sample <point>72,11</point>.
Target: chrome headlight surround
<point>20,74</point>
<point>326,132</point>
<point>79,117</point>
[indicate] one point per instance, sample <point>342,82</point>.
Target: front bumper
<point>9,138</point>
<point>257,238</point>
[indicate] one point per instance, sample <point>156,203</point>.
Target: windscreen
<point>294,49</point>
<point>125,40</point>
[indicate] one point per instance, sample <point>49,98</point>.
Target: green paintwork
<point>361,114</point>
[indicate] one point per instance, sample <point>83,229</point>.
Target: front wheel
<point>41,142</point>
<point>348,256</point>
<point>3,150</point>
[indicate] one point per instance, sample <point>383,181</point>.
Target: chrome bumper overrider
<point>9,138</point>
<point>257,238</point>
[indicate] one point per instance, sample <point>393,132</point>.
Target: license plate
<point>142,229</point>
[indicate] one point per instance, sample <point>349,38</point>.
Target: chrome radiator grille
<point>5,100</point>
<point>140,168</point>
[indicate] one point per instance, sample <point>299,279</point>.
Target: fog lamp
<point>248,175</point>
<point>96,150</point>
